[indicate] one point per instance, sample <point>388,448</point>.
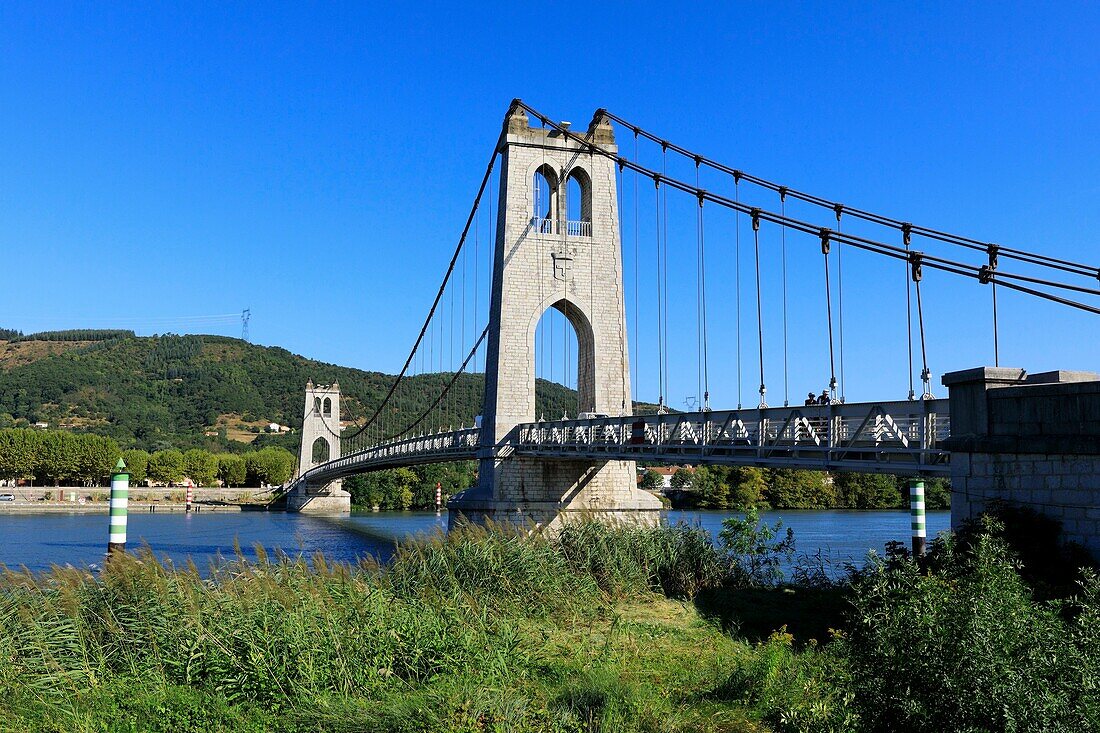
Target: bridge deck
<point>871,437</point>
<point>903,437</point>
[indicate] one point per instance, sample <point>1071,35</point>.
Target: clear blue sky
<point>315,162</point>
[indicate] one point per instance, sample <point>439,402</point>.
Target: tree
<point>868,491</point>
<point>137,464</point>
<point>747,485</point>
<point>711,486</point>
<point>271,466</point>
<point>797,489</point>
<point>232,469</point>
<point>651,481</point>
<point>166,466</point>
<point>19,453</point>
<point>682,478</point>
<point>57,457</point>
<point>200,466</point>
<point>95,458</point>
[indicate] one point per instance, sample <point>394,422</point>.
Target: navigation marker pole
<point>916,508</point>
<point>438,498</point>
<point>190,494</point>
<point>120,493</point>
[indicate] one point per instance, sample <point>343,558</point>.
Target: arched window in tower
<point>320,451</point>
<point>578,199</point>
<point>544,200</point>
<point>317,405</point>
<point>328,408</point>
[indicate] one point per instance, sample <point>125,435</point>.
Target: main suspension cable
<point>439,294</point>
<point>863,243</point>
<point>948,238</point>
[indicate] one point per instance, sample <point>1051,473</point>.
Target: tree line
<point>410,488</point>
<point>738,487</point>
<point>56,458</point>
<point>72,334</point>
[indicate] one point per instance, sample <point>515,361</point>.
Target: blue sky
<point>315,162</point>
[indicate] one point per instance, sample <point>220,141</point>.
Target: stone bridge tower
<point>320,442</point>
<point>543,260</point>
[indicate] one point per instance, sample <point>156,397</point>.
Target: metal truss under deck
<point>871,437</point>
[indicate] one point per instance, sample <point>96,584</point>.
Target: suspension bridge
<point>534,293</point>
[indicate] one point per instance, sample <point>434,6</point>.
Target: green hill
<point>202,391</point>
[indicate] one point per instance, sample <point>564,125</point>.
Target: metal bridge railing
<point>436,448</point>
<point>541,225</point>
<point>888,437</point>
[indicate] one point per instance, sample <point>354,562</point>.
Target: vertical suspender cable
<point>759,311</point>
<point>824,233</point>
<point>906,235</point>
<point>664,238</point>
<point>737,273</point>
<point>783,235</point>
<point>698,289</point>
<point>703,272</point>
<point>637,344</point>
<point>925,375</point>
<point>839,209</point>
<point>660,297</point>
<point>462,340</point>
<point>622,309</point>
<point>992,251</point>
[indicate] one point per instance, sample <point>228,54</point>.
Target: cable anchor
<point>839,210</point>
<point>755,219</point>
<point>907,234</point>
<point>700,194</point>
<point>915,260</point>
<point>783,193</point>
<point>824,234</point>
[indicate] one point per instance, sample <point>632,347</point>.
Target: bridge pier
<point>544,494</point>
<point>330,499</point>
<point>1030,441</point>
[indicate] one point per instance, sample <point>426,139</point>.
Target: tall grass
<point>275,632</point>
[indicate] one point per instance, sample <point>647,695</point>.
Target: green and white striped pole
<point>120,494</point>
<point>916,508</point>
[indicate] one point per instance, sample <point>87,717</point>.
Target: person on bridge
<point>811,399</point>
<point>824,399</point>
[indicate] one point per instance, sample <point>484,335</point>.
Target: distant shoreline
<point>102,507</point>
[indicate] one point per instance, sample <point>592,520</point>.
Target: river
<point>38,541</point>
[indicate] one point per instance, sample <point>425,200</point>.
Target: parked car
<point>7,497</point>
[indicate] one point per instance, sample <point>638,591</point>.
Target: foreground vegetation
<point>599,630</point>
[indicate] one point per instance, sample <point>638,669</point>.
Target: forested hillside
<point>200,391</point>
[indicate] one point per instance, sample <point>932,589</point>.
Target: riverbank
<point>597,630</point>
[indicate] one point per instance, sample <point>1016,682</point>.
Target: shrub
<point>967,648</point>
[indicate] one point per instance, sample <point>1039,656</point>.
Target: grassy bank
<point>599,630</point>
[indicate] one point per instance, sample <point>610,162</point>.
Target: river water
<point>38,541</point>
